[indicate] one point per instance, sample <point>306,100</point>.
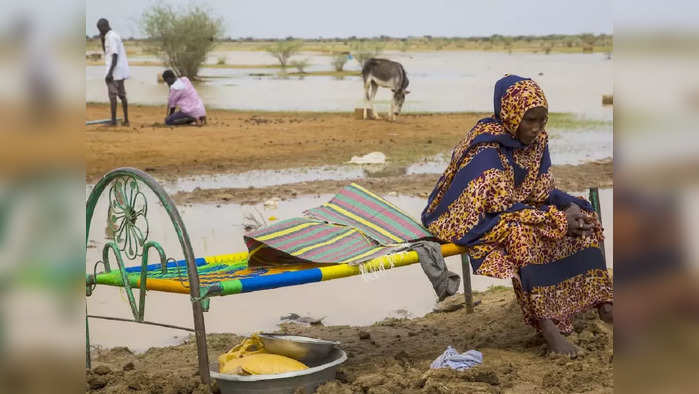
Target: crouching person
<point>184,96</point>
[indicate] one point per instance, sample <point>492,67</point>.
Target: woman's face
<point>532,124</point>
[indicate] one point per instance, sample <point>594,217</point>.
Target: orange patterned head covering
<point>513,97</point>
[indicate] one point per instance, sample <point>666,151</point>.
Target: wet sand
<point>394,356</point>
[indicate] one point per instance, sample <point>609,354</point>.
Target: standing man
<point>117,68</point>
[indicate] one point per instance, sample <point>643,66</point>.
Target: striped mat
<point>380,220</point>
<point>355,226</point>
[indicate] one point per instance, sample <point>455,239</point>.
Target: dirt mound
<point>394,355</point>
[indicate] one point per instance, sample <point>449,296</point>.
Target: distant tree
<point>338,61</point>
<point>283,50</point>
<point>588,39</point>
<point>300,65</point>
<point>182,39</point>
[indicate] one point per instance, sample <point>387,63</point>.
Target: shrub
<point>283,50</point>
<point>182,39</point>
<point>300,65</point>
<point>338,61</point>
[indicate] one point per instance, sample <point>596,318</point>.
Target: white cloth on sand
<point>458,361</point>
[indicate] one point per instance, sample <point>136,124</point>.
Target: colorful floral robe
<point>497,197</point>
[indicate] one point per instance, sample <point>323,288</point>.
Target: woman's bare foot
<point>606,312</point>
<point>555,341</point>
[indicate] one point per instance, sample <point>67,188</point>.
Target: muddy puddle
<point>439,82</point>
<point>217,229</point>
<point>263,178</point>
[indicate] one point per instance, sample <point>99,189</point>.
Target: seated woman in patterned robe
<point>498,199</point>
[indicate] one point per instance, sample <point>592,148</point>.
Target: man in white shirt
<point>117,68</point>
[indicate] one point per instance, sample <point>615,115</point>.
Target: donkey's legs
<point>374,88</point>
<point>367,97</point>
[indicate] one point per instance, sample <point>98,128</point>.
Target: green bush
<point>338,61</point>
<point>283,50</point>
<point>300,65</point>
<point>182,39</point>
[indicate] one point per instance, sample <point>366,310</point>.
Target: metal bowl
<point>282,383</point>
<point>307,350</point>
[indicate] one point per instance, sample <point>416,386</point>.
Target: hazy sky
<point>365,18</point>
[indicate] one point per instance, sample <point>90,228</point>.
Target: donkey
<point>387,74</point>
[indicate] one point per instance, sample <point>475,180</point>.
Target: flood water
<point>450,81</point>
<point>216,229</point>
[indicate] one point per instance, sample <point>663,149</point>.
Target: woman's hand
<point>578,223</point>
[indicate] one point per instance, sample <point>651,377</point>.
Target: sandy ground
<point>238,141</point>
<point>241,141</point>
<point>394,356</point>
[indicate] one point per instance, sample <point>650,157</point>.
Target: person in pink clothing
<point>184,96</point>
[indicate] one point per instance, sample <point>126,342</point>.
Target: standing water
<point>449,81</point>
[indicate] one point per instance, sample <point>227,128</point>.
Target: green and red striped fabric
<point>357,207</point>
<point>355,226</point>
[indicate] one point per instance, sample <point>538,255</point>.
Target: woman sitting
<point>497,198</point>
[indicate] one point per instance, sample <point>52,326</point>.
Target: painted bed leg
<point>466,274</point>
